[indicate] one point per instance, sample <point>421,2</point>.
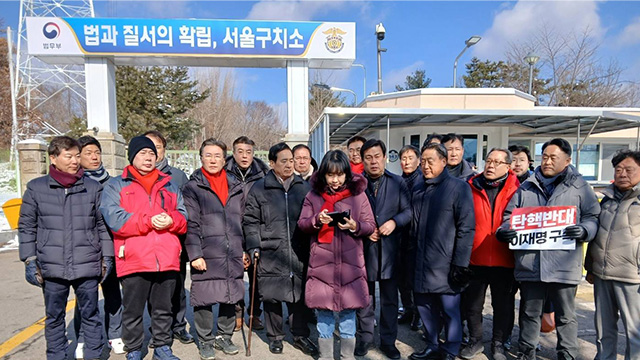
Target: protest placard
<point>542,228</point>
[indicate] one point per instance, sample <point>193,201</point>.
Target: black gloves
<point>576,232</point>
<point>460,276</point>
<point>107,267</point>
<point>32,272</point>
<point>505,235</point>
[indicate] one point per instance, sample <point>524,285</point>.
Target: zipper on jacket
<point>286,206</point>
<point>606,245</point>
<point>226,235</point>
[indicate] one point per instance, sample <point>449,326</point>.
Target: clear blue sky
<point>420,34</point>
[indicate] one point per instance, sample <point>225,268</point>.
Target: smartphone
<point>339,217</point>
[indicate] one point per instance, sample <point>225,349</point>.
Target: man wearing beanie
<point>64,243</point>
<point>146,214</point>
<point>179,299</point>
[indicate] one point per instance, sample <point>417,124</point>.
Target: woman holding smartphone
<point>336,278</point>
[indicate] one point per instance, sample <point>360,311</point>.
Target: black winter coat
<point>271,224</point>
<point>443,227</point>
<point>392,202</point>
<point>257,171</point>
<point>214,233</point>
<point>64,228</point>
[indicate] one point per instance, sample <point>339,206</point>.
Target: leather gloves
<point>505,235</point>
<point>460,276</point>
<point>107,267</point>
<point>576,232</point>
<point>32,272</point>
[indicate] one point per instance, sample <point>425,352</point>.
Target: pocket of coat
<point>94,240</point>
<point>40,243</point>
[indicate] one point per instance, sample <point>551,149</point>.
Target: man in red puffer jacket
<point>491,261</point>
<point>145,212</point>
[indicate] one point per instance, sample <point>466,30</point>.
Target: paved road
<point>21,305</point>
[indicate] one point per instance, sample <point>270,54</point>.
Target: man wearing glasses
<point>491,261</point>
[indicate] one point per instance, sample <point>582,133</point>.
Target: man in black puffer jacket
<point>247,169</point>
<point>271,232</point>
<point>443,228</point>
<point>64,243</point>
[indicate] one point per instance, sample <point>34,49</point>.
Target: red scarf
<point>219,184</point>
<point>357,168</point>
<point>146,181</point>
<point>63,178</point>
<point>326,232</point>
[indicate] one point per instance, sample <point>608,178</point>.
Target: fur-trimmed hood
<point>357,185</point>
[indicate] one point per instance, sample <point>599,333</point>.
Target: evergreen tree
<point>157,98</point>
<point>417,80</point>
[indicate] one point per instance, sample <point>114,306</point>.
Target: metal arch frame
<point>32,75</point>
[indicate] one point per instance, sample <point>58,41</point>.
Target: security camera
<point>380,31</point>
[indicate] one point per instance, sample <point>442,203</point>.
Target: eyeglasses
<point>302,158</point>
<point>495,163</point>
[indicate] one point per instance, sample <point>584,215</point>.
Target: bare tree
<point>319,98</point>
<point>220,114</point>
<point>262,124</point>
<point>225,116</point>
<point>578,77</point>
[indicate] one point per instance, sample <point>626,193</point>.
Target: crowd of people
<point>317,238</point>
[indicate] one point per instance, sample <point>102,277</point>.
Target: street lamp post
<point>380,33</point>
<point>531,59</point>
<point>337,89</point>
<point>364,86</point>
<point>468,43</point>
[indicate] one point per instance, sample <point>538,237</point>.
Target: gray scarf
<point>162,164</point>
<point>100,174</point>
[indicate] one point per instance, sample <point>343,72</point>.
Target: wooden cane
<point>253,293</point>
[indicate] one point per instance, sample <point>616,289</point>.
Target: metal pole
<point>14,156</point>
<point>388,146</point>
<point>578,147</point>
<point>364,85</point>
<point>379,69</point>
<point>530,79</point>
<point>455,65</point>
<point>638,138</point>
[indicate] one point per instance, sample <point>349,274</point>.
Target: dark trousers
<point>255,300</point>
<point>203,319</point>
<point>435,309</point>
<point>56,292</point>
<point>297,319</point>
<point>388,314</point>
<point>112,309</point>
<point>532,299</point>
<point>501,282</point>
<point>155,288</point>
<point>179,298</point>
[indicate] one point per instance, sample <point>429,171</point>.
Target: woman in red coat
<point>336,278</point>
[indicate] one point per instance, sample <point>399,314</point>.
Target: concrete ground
<point>21,306</point>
